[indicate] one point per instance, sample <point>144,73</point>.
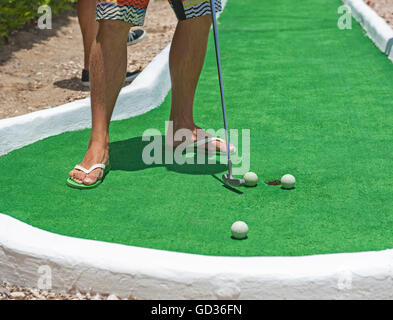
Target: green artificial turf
<point>318,101</point>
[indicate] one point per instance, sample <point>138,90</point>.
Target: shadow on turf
<point>126,155</point>
<point>233,238</point>
<point>226,186</point>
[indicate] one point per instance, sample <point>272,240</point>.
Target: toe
<point>92,177</point>
<point>79,176</point>
<point>222,146</point>
<point>215,144</point>
<point>89,180</point>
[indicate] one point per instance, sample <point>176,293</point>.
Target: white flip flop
<point>203,142</point>
<point>73,184</point>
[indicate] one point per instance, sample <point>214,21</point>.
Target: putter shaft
<point>227,178</point>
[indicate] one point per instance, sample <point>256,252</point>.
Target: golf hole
<point>273,183</point>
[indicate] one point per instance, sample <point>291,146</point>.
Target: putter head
<point>232,181</point>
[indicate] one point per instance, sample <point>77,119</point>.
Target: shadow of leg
<point>136,154</point>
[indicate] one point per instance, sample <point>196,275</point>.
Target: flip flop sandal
<point>71,183</point>
<point>197,146</point>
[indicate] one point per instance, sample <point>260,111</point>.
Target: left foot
<point>95,154</point>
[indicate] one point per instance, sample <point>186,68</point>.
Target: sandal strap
<point>204,141</point>
<point>211,139</point>
<point>93,167</point>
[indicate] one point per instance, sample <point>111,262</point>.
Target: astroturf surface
<point>318,102</point>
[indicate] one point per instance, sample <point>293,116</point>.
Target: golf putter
<point>228,178</point>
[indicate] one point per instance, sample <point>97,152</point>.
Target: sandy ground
<point>38,70</point>
<point>384,8</point>
<point>41,68</point>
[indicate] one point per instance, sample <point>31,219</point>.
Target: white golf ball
<point>251,179</point>
<point>288,181</point>
<point>239,230</point>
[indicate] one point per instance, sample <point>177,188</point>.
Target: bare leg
<point>186,59</point>
<point>88,25</point>
<point>107,68</point>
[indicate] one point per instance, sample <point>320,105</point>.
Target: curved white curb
<point>146,92</point>
<point>154,274</point>
<point>127,271</point>
<point>377,28</point>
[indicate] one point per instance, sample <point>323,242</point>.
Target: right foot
<point>93,156</point>
<point>198,134</point>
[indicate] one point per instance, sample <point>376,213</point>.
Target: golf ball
<point>288,181</point>
<point>251,179</point>
<point>239,230</point>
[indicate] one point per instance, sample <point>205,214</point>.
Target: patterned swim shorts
<point>134,11</point>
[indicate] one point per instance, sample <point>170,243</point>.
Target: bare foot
<point>198,134</point>
<point>95,154</point>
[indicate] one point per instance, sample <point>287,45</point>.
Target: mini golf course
<point>318,102</point>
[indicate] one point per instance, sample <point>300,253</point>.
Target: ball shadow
<point>245,238</point>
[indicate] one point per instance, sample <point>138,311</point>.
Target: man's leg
<point>107,68</point>
<point>89,29</point>
<point>88,25</point>
<point>186,59</point>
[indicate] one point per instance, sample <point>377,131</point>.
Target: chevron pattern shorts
<point>134,11</point>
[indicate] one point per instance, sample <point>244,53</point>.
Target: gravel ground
<point>8,292</point>
<point>384,8</point>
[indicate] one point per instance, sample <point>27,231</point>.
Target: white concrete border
<point>141,273</point>
<point>377,29</point>
<point>95,266</point>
